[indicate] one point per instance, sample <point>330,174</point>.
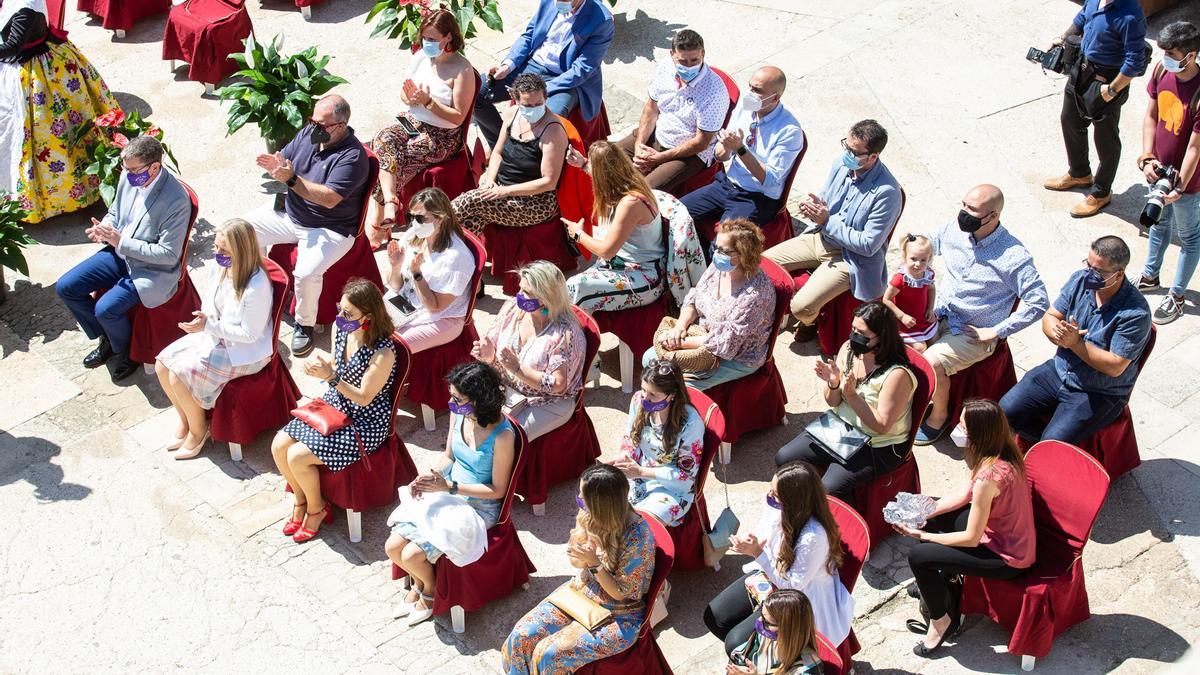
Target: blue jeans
<point>488,118</point>
<point>1183,217</point>
<point>1074,415</point>
<point>727,371</point>
<point>107,316</point>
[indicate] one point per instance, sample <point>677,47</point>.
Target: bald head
<point>335,107</point>
<point>768,83</point>
<point>986,198</point>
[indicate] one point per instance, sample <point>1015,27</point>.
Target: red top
<point>1176,120</point>
<point>1009,532</point>
<point>913,301</point>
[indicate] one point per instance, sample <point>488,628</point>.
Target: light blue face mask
<point>1173,65</point>
<point>563,7</point>
<point>533,113</point>
<point>688,73</point>
<point>432,48</point>
<point>851,162</point>
<point>723,262</point>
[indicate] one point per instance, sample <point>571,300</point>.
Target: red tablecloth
<point>204,33</point>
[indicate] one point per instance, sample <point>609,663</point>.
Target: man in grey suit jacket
<point>143,234</point>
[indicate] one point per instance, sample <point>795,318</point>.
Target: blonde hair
<point>549,286</point>
<point>747,241</point>
<point>613,178</point>
<point>242,243</point>
<point>436,203</point>
<point>605,492</point>
<point>917,241</point>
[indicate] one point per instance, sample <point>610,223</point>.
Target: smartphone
<point>402,304</point>
<point>738,659</point>
<point>407,125</point>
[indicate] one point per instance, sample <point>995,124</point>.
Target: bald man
<point>763,140</point>
<point>325,169</point>
<point>985,269</point>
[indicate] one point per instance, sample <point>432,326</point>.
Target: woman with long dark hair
<point>870,386</point>
<point>795,545</point>
<point>784,641</point>
<point>984,528</point>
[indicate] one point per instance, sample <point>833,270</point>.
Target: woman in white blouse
<point>430,278</point>
<point>795,545</point>
<point>231,336</point>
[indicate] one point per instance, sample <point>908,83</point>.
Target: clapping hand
<point>484,350</point>
<point>731,141</point>
<point>627,466</point>
<point>815,209</point>
<point>103,233</point>
<point>279,168</point>
<point>747,545</point>
<point>509,359</point>
<point>1067,333</point>
<point>414,265</point>
<point>584,551</point>
<point>195,325</point>
<point>575,158</point>
<point>645,158</point>
<point>319,367</point>
<point>829,372</point>
<point>849,383</point>
<point>411,93</point>
<point>731,669</point>
<point>394,252</point>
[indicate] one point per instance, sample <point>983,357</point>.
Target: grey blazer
<point>152,242</point>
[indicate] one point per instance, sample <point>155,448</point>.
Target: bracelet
<point>839,386</point>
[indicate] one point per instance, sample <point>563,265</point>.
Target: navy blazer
<point>580,61</point>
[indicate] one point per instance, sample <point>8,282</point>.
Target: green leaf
<point>490,13</point>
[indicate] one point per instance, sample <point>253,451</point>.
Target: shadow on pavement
<point>28,459</point>
<point>637,35</point>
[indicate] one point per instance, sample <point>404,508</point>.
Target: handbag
<point>321,416</point>
<point>585,611</point>
<point>835,437</point>
<point>698,360</point>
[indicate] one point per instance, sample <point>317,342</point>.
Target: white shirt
<point>684,107</point>
<point>447,271</point>
<point>244,324</point>
<point>137,209</point>
<point>421,71</point>
<point>556,40</point>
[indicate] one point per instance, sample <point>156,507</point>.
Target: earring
<point>545,312</point>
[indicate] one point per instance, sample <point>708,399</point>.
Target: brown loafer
<point>1090,206</point>
<point>1067,182</point>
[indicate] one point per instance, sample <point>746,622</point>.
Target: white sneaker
<point>1170,309</point>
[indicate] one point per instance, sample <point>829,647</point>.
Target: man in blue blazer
<point>564,43</point>
<point>143,234</point>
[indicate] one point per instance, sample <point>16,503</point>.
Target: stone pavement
<point>119,559</point>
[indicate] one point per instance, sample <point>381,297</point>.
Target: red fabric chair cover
<point>563,453</point>
<point>689,549</point>
<point>309,3</point>
<point>55,17</point>
<point>453,176</point>
<point>779,229</point>
<point>991,378</point>
<point>264,400</point>
<point>1052,597</point>
<point>157,327</point>
<point>856,545</point>
<point>359,261</point>
<point>590,131</point>
<point>709,174</point>
<point>757,400</point>
<point>204,33</point>
<point>503,567</point>
<point>635,327</point>
<point>121,14</point>
<point>372,482</point>
<point>872,497</point>
<point>427,378</point>
<point>829,656</point>
<point>644,657</point>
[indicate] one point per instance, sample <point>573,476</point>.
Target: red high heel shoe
<point>305,534</point>
<point>292,526</point>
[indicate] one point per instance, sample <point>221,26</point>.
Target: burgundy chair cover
<point>563,453</point>
<point>689,549</point>
<point>856,545</point>
<point>779,229</point>
<point>635,327</point>
<point>829,656</point>
<point>427,378</point>
<point>991,378</point>
<point>709,174</point>
<point>204,33</point>
<point>757,400</point>
<point>503,567</point>
<point>264,400</point>
<point>644,657</point>
<point>55,17</point>
<point>590,131</point>
<point>1052,597</point>
<point>309,3</point>
<point>157,327</point>
<point>121,14</point>
<point>453,176</point>
<point>359,261</point>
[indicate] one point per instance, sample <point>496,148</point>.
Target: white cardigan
<point>245,326</point>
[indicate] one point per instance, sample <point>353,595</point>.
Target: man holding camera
<point>1171,145</point>
<point>1112,53</point>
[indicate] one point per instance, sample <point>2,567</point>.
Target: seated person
<point>677,132</point>
<point>873,395</point>
<point>438,92</point>
<point>477,464</point>
<point>232,336</point>
<point>985,271</point>
<point>326,169</point>
<point>429,280</point>
<point>762,142</point>
<point>854,217</point>
<point>46,83</point>
<point>360,379</point>
<point>628,240</point>
<point>663,445</point>
<point>804,555</point>
<point>784,641</point>
<point>984,528</point>
<point>143,234</point>
<point>730,312</point>
<point>519,188</point>
<point>564,44</point>
<point>1101,326</point>
<point>538,346</point>
<point>912,294</point>
<point>613,548</point>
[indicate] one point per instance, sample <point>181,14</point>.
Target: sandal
<point>292,526</point>
<point>417,616</point>
<point>305,534</point>
<point>387,223</point>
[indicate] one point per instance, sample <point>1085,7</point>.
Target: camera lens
<point>1151,213</point>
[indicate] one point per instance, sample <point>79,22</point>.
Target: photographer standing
<point>1169,140</point>
<point>1112,54</point>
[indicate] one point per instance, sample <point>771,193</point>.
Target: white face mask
<point>752,102</point>
<point>422,230</point>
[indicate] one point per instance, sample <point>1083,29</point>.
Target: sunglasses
<point>662,366</point>
<point>851,150</point>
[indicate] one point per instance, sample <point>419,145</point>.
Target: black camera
<point>1051,60</point>
<point>1167,177</point>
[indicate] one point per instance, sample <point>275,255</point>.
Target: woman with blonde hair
<point>784,641</point>
<point>613,548</point>
<point>538,346</point>
<point>628,244</point>
<point>230,337</point>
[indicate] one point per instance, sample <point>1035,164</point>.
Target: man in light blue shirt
<point>761,143</point>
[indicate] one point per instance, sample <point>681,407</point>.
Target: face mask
<point>723,262</point>
<point>533,113</point>
<point>773,503</point>
<point>579,503</point>
<point>223,260</point>
<point>859,344</point>
<point>432,48</point>
<point>526,303</point>
<point>851,162</point>
<point>138,179</point>
<point>655,406</point>
<point>762,630</point>
<point>1172,65</point>
<point>752,102</point>
<point>463,409</point>
<point>687,73</point>
<point>421,228</point>
<point>1094,281</point>
<point>563,7</point>
<point>967,222</point>
<point>348,325</point>
<point>319,135</point>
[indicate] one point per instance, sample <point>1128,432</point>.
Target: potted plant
<point>12,238</point>
<point>104,157</point>
<point>279,92</point>
<point>402,18</point>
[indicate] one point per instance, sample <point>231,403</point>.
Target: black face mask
<point>859,344</point>
<point>319,135</point>
<point>967,222</point>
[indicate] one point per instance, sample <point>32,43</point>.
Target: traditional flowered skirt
<point>204,367</point>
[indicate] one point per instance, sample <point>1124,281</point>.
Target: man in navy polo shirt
<point>1100,324</point>
<point>325,168</point>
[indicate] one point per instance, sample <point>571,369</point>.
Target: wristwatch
<point>291,182</point>
<point>453,487</point>
<point>335,380</point>
<point>593,569</point>
<point>575,238</point>
<point>417,276</point>
<point>742,150</point>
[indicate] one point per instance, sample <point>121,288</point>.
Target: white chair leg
<point>354,520</point>
<point>1027,663</point>
<point>784,421</point>
<point>148,368</point>
<point>525,586</point>
<point>726,452</point>
<point>119,33</point>
<point>209,89</point>
<point>171,64</point>
<point>626,355</point>
<point>458,619</point>
<point>539,509</point>
<point>306,12</point>
<point>716,567</point>
<point>235,452</point>
<point>427,416</point>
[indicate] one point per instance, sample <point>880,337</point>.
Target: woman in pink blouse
<point>734,303</point>
<point>984,529</point>
<point>538,347</point>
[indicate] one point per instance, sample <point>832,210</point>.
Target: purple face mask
<point>762,630</point>
<point>579,503</point>
<point>138,179</point>
<point>223,260</point>
<point>347,325</point>
<point>463,409</point>
<point>773,503</point>
<point>527,303</point>
<point>654,406</point>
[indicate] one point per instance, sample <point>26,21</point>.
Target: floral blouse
<point>738,324</point>
<point>674,471</point>
<point>632,572</point>
<point>560,343</point>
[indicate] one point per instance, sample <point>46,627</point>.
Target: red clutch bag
<point>321,416</point>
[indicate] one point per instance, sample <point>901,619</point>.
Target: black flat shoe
<point>913,591</point>
<point>98,356</point>
<point>918,627</point>
<point>921,650</point>
<point>122,367</point>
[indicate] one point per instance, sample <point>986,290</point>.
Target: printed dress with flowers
<point>48,91</point>
<point>546,641</point>
<point>671,491</point>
